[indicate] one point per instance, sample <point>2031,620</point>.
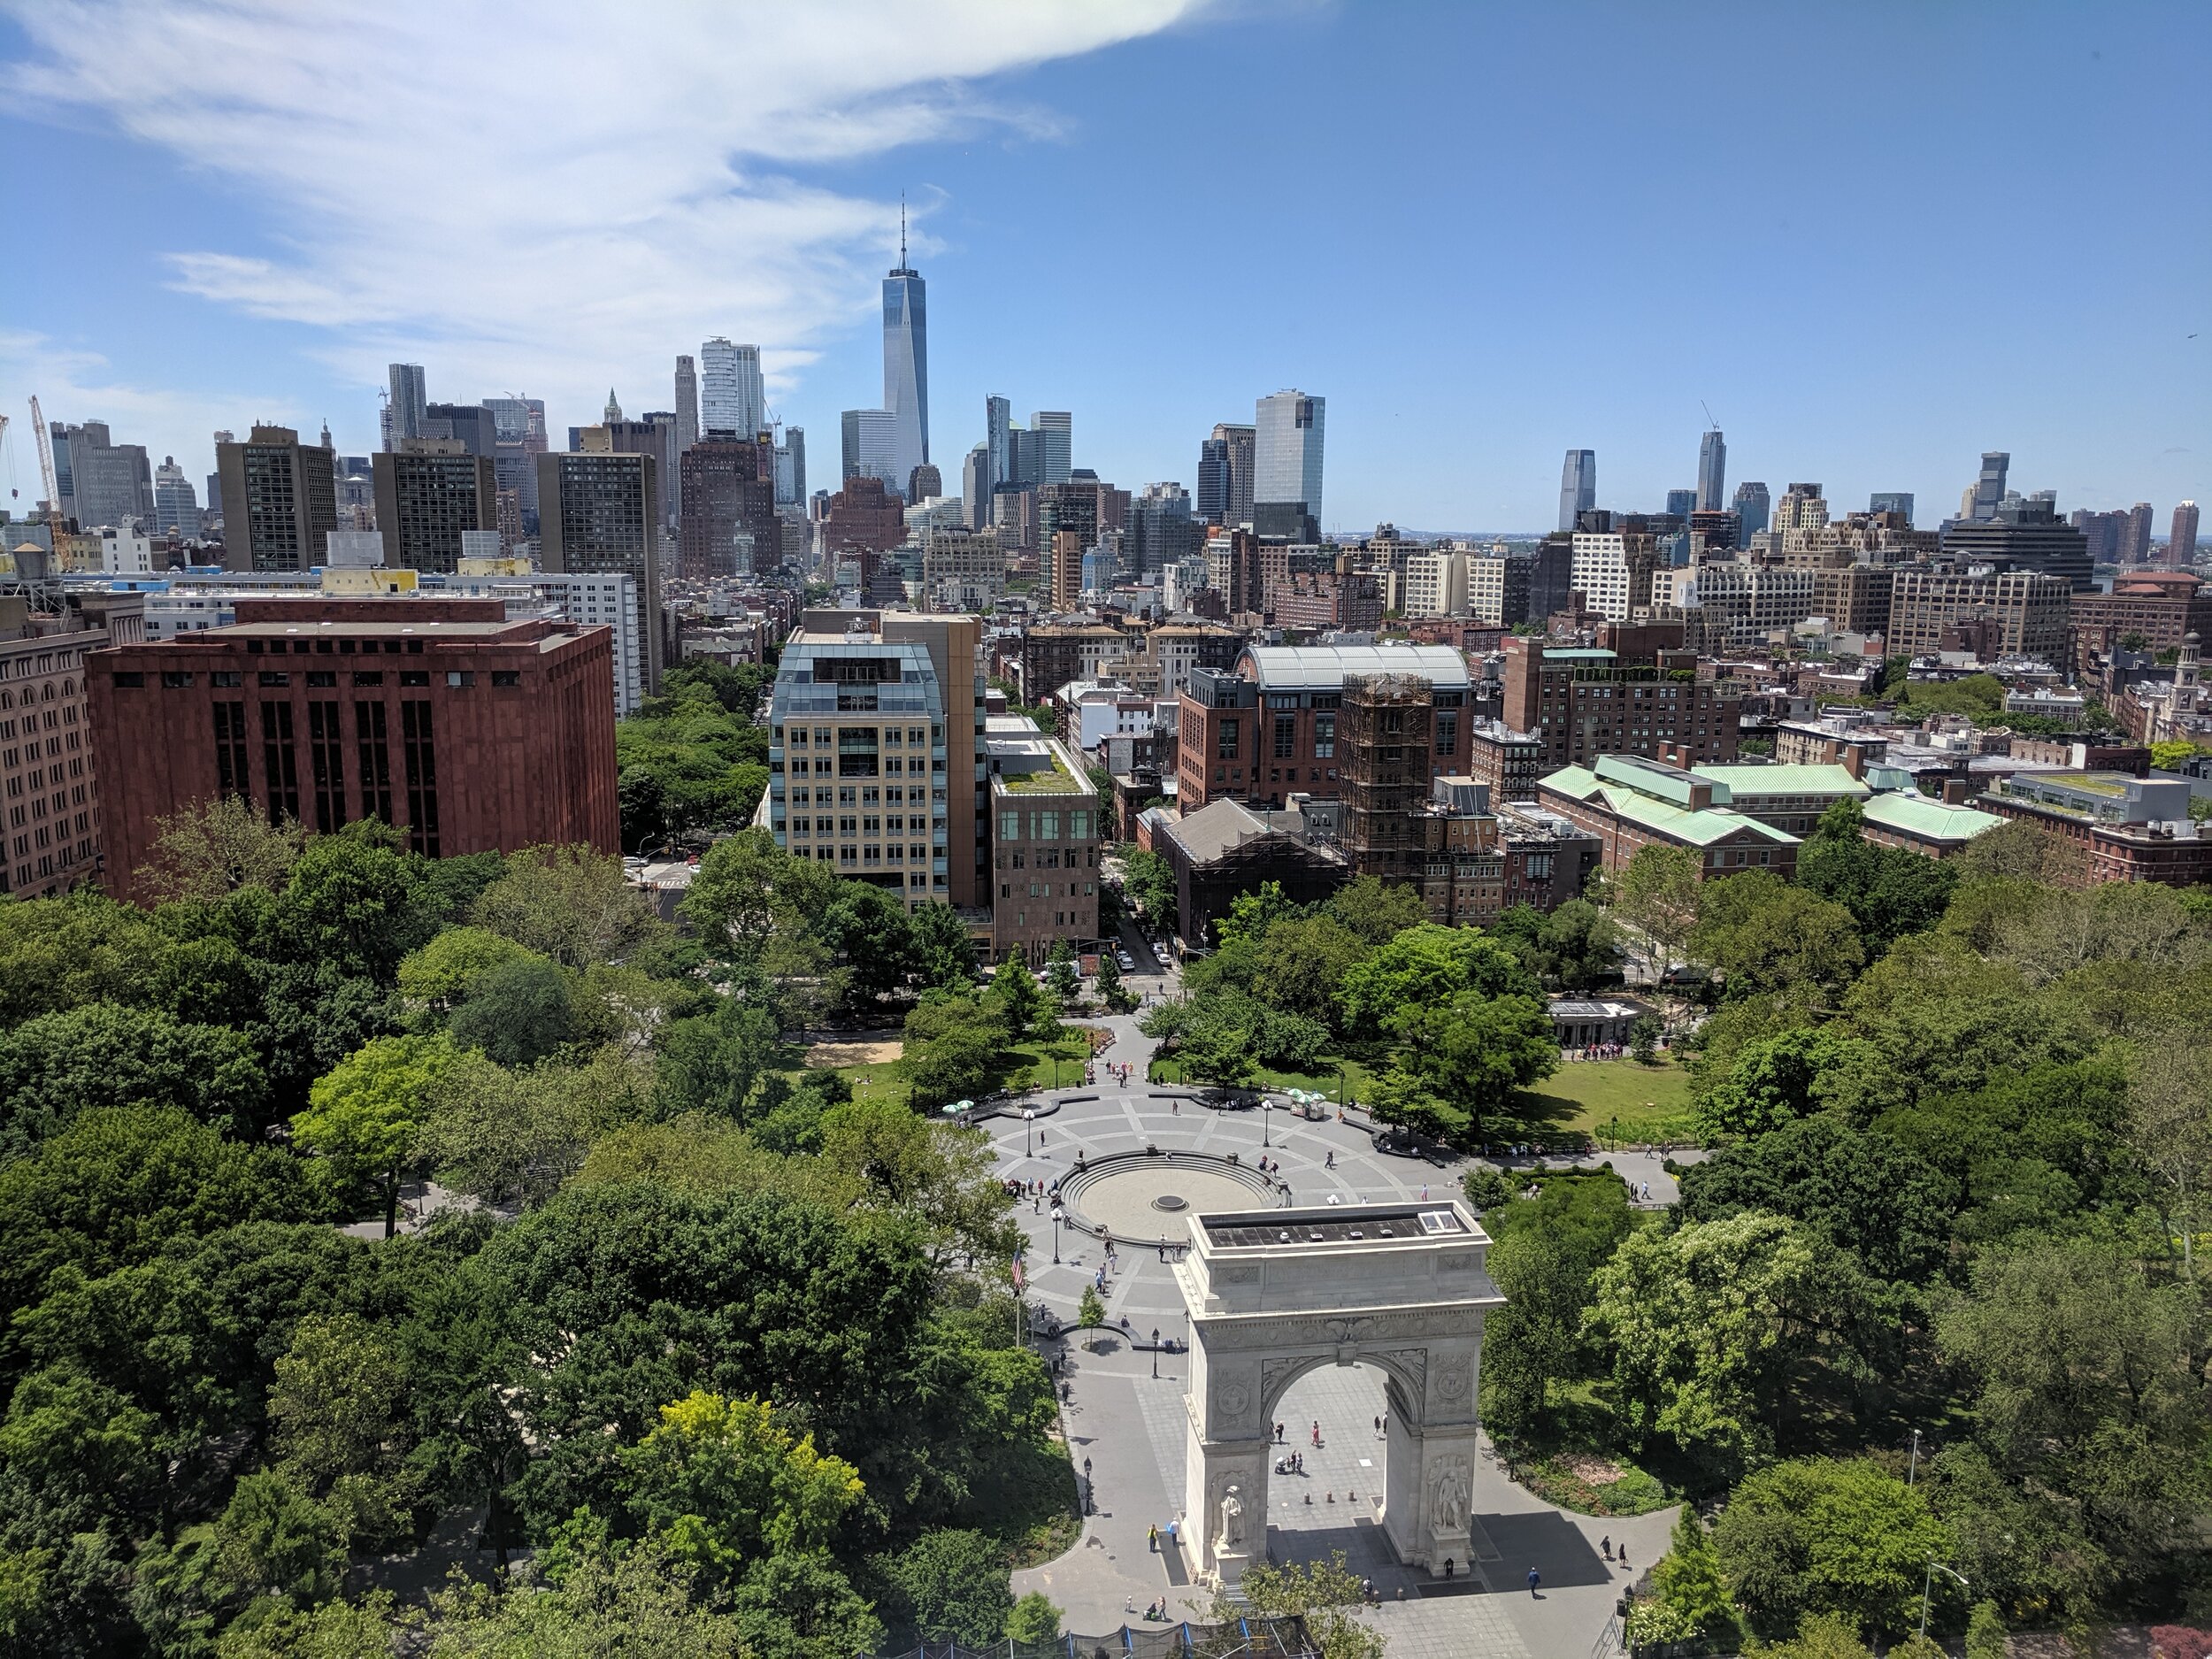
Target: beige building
<point>1436,583</point>
<point>2026,611</point>
<point>1613,572</point>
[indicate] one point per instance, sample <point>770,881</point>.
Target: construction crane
<point>38,582</point>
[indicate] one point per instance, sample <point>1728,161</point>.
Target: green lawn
<point>1029,1065</point>
<point>1593,1096</point>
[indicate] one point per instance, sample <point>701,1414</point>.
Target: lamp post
<point>1056,1214</point>
<point>1029,1132</point>
<point>1913,1468</point>
<point>1155,1353</point>
<point>1927,1584</point>
<point>1267,1119</point>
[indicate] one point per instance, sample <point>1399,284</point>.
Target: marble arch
<point>1273,1293</point>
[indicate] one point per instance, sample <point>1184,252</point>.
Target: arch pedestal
<point>1272,1294</point>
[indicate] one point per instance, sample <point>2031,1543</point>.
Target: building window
<point>326,759</point>
<point>279,762</point>
<point>1048,827</point>
<point>1286,735</point>
<point>422,777</point>
<point>1447,733</point>
<point>130,679</point>
<point>1323,737</point>
<point>1227,749</point>
<point>230,749</point>
<point>1010,827</point>
<point>374,743</point>
<point>371,677</point>
<point>172,680</point>
<point>506,677</point>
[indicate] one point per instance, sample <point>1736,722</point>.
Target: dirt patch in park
<point>830,1054</point>
<point>1598,1471</point>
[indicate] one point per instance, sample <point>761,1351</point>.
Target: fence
<point>1243,1639</point>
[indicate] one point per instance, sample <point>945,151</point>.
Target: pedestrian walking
<point>1534,1578</point>
<point>1605,1547</point>
<point>1316,1434</point>
<point>1378,1428</point>
<point>1152,1538</point>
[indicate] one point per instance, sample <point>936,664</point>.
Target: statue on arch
<point>1452,1493</point>
<point>1232,1520</point>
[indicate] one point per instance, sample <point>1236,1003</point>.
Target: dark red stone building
<point>470,732</point>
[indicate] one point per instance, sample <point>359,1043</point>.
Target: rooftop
<point>1698,828</point>
<point>1915,814</point>
<point>1323,667</point>
<point>1368,1224</point>
<point>1789,779</point>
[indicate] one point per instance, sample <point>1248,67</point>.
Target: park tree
<point>1110,991</point>
<point>1888,890</point>
<point>1033,1619</point>
<point>1643,1038</point>
<point>713,1063</point>
<point>439,973</point>
<point>954,1045</point>
<point>210,848</point>
<point>53,1067</point>
<point>953,1584</point>
<point>1457,1064</point>
<point>1321,1593</point>
<point>1250,915</point>
<point>1427,967</point>
<point>1767,939</point>
<point>1824,1535</point>
<point>363,1116</point>
<point>1657,894</point>
<point>1301,970</point>
<point>2025,847</point>
<point>518,1013</point>
<point>1690,1596</point>
<point>2169,1126</point>
<point>568,903</point>
<point>1546,1258</point>
<point>1061,978</point>
<point>1020,1000</point>
<point>1700,1323</point>
<point>942,957</point>
<point>1376,911</point>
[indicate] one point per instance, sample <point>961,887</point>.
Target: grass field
<point>1030,1065</point>
<point>1647,1102</point>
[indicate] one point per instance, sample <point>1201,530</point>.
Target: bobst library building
<point>470,733</point>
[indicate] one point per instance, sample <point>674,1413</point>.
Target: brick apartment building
<point>2160,605</point>
<point>1047,823</point>
<point>2133,829</point>
<point>1629,803</point>
<point>470,732</point>
<point>1269,730</point>
<point>1637,692</point>
<point>51,832</point>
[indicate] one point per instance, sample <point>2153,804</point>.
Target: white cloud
<point>553,197</point>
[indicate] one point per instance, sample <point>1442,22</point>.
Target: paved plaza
<point>1130,1427</point>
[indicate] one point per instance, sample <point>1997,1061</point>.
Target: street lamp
<point>1913,1468</point>
<point>1267,1107</point>
<point>1155,1353</point>
<point>1927,1584</point>
<point>1057,1213</point>
<point>1029,1132</point>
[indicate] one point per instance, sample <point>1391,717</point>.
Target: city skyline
<point>1437,427</point>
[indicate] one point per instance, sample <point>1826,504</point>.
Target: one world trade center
<point>906,364</point>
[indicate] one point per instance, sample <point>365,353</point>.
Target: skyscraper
<point>1681,504</point>
<point>906,364</point>
<point>731,400</point>
<point>2181,542</point>
<point>998,440</point>
<point>975,487</point>
<point>791,467</point>
<point>409,401</point>
<point>175,507</point>
<point>429,492</point>
<point>1896,500</point>
<point>1289,430</point>
<point>101,482</point>
<point>686,404</point>
<point>1753,507</point>
<point>870,448</point>
<point>1053,431</point>
<point>1578,486</point>
<point>1989,487</point>
<point>2135,545</point>
<point>602,513</point>
<point>279,501</point>
<point>1213,480</point>
<point>1712,471</point>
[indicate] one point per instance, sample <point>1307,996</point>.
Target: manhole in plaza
<point>1168,1200</point>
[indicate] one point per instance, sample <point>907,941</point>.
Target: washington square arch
<point>1273,1293</point>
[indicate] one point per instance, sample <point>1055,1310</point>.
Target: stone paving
<point>1131,1426</point>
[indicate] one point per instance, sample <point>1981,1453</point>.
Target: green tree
<point>1020,1001</point>
<point>1546,1260</point>
<point>274,1539</point>
<point>363,1116</point>
<point>1251,914</point>
<point>943,955</point>
<point>713,1063</point>
<point>441,971</point>
<point>210,848</point>
<point>954,1584</point>
<point>1985,1636</point>
<point>81,1445</point>
<point>1643,1039</point>
<point>1657,894</point>
<point>1061,978</point>
<point>1150,881</point>
<point>1301,970</point>
<point>1888,890</point>
<point>930,1172</point>
<point>568,903</point>
<point>1456,1063</point>
<point>1430,965</point>
<point>1376,911</point>
<point>53,1067</point>
<point>1689,1580</point>
<point>1823,1636</point>
<point>1110,991</point>
<point>354,905</point>
<point>1768,939</point>
<point>1217,1041</point>
<point>517,1013</point>
<point>1090,1310</point>
<point>1321,1593</point>
<point>270,1629</point>
<point>954,1045</point>
<point>1824,1535</point>
<point>1033,1619</point>
<point>2172,755</point>
<point>1699,1323</point>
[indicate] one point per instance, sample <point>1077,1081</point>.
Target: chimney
<point>1955,791</point>
<point>1855,760</point>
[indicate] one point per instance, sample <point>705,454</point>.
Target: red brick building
<point>1637,692</point>
<point>1270,730</point>
<point>470,732</point>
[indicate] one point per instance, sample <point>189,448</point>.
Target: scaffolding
<point>1384,760</point>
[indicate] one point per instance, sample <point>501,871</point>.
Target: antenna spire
<point>902,229</point>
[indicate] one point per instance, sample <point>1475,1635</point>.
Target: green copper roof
<point>1765,781</point>
<point>1677,823</point>
<point>1930,821</point>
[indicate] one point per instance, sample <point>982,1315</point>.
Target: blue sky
<point>1874,238</point>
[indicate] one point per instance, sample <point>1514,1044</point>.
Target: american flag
<point>1017,1270</point>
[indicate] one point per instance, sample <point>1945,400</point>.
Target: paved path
<point>1131,1426</point>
